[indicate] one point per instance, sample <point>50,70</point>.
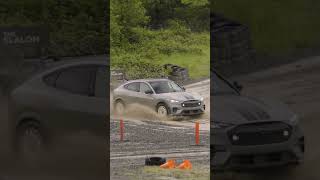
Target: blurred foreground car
<point>65,97</point>
<point>250,133</point>
<point>163,95</point>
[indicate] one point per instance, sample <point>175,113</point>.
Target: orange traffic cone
<point>186,164</point>
<point>170,164</point>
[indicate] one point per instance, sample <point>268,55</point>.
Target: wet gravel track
<point>169,138</point>
<point>144,139</point>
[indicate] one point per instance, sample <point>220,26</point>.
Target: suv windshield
<point>220,86</point>
<point>165,87</point>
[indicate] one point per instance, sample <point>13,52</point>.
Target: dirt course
<point>145,135</point>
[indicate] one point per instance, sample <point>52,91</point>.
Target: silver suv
<point>165,96</point>
<point>251,133</point>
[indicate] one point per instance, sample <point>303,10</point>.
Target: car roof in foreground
<point>48,66</point>
<point>101,59</point>
<point>90,60</point>
<point>51,66</point>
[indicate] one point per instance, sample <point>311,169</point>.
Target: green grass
<point>198,172</point>
<point>145,59</point>
<point>197,64</point>
<point>277,27</point>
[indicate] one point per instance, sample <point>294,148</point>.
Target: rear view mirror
<point>183,88</point>
<point>148,92</point>
<point>237,86</point>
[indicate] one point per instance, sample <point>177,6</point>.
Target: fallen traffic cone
<point>170,164</point>
<point>186,164</point>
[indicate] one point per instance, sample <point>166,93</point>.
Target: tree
<point>76,26</point>
<point>194,13</point>
<point>124,16</point>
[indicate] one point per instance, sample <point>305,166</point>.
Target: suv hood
<point>235,109</point>
<point>180,96</point>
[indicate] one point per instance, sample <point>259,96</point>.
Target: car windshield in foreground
<point>221,86</point>
<point>165,87</point>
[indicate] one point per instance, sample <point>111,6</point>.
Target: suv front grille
<point>260,133</point>
<point>191,103</point>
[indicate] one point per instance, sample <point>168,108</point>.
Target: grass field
<point>198,172</point>
<point>197,64</point>
<point>277,27</point>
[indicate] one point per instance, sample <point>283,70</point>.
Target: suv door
<point>132,93</point>
<point>146,98</point>
<point>73,102</point>
<point>99,124</point>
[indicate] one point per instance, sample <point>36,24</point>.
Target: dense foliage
<point>76,26</point>
<point>278,27</point>
<point>144,31</point>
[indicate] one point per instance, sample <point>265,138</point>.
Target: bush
<point>75,27</point>
<point>143,58</point>
<point>277,27</point>
<point>137,68</point>
<point>140,41</point>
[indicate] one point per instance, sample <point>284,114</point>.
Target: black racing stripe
<point>262,114</point>
<point>247,115</point>
<point>254,114</point>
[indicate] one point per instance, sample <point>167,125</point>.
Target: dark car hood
<point>235,109</point>
<point>180,96</point>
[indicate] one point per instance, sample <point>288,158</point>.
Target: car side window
<point>133,86</point>
<point>101,82</point>
<point>77,80</point>
<point>144,88</point>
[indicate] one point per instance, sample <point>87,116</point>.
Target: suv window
<point>101,82</point>
<point>76,80</point>
<point>144,87</point>
<point>133,86</point>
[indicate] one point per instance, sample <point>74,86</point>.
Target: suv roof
<point>149,80</point>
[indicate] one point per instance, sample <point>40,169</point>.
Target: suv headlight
<point>294,120</point>
<point>220,125</point>
<point>174,101</point>
<point>201,99</point>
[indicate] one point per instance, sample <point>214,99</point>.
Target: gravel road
<point>169,138</point>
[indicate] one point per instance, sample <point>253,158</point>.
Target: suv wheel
<point>162,111</point>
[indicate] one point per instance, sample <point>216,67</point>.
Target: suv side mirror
<point>238,86</point>
<point>148,92</point>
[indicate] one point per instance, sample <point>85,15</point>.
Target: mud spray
<point>140,112</point>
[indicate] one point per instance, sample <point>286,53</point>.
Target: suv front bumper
<point>178,110</point>
<point>225,156</point>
